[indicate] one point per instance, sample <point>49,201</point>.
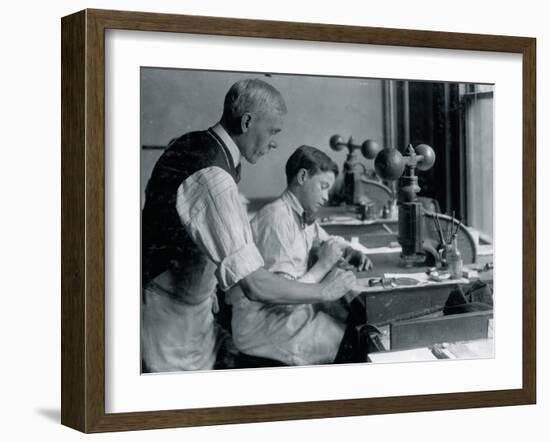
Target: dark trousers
<point>354,345</point>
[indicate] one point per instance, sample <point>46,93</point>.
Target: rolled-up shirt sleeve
<point>211,211</point>
<point>323,236</point>
<point>321,233</point>
<point>275,240</point>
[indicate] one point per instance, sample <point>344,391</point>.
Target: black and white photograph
<point>303,220</point>
<point>250,221</point>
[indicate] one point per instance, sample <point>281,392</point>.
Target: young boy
<point>298,331</point>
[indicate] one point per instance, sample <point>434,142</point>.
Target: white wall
<point>176,101</point>
<point>30,222</point>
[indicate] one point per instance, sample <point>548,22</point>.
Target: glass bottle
<point>454,259</point>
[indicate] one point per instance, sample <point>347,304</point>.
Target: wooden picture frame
<point>83,220</point>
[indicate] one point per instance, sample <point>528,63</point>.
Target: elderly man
<point>304,331</point>
<point>196,234</point>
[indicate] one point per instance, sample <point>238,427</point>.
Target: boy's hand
<point>330,252</point>
<point>358,260</point>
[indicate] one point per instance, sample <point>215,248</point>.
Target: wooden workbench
<point>411,315</point>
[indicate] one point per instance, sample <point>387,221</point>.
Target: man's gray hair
<point>251,95</point>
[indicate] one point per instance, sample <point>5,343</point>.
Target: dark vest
<point>165,242</point>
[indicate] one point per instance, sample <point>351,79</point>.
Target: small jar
<point>454,260</point>
<point>392,205</point>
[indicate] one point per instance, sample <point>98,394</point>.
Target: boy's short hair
<point>311,159</point>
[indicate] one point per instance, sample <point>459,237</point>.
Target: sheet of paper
<point>347,220</point>
<point>481,348</point>
<point>374,250</point>
<point>415,354</point>
<point>423,278</point>
<point>362,284</point>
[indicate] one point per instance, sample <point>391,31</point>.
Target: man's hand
<point>336,284</point>
<point>358,260</point>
